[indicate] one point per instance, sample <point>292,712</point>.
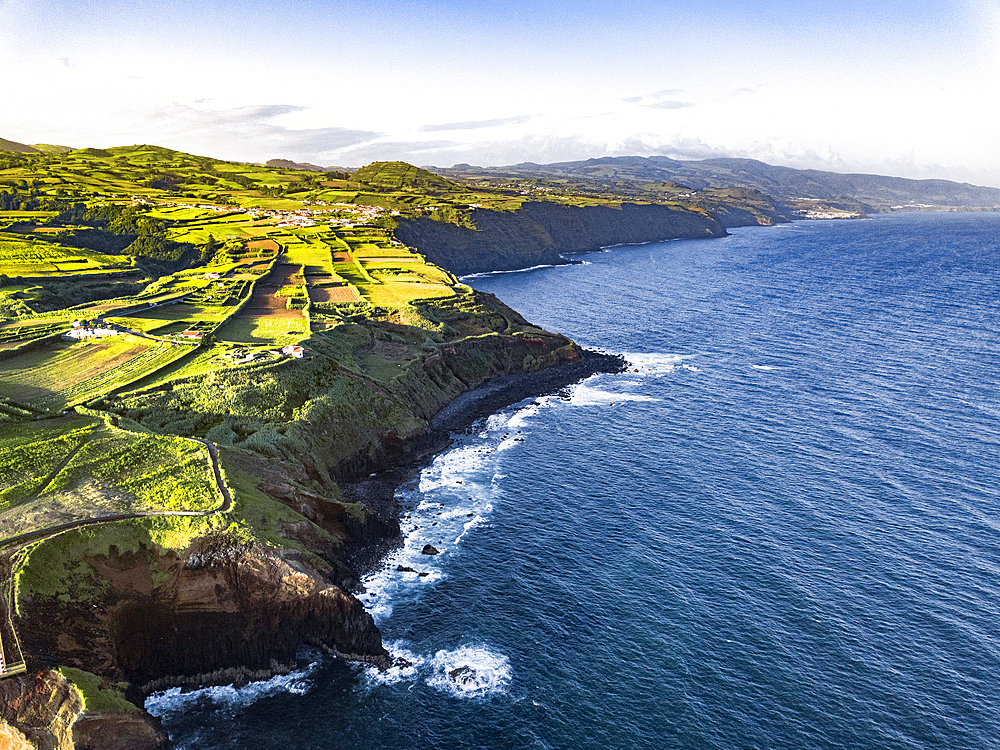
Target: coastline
<point>378,490</point>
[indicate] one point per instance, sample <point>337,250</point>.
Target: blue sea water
<point>779,529</point>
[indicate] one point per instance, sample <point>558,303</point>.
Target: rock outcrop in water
<point>539,233</point>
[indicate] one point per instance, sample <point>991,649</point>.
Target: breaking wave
<point>176,701</point>
<point>472,671</point>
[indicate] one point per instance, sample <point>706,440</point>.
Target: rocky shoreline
<point>378,490</point>
<point>232,615</point>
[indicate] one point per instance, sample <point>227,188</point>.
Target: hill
<point>286,164</point>
<point>400,175</point>
<point>6,145</point>
<point>49,148</point>
<point>880,193</point>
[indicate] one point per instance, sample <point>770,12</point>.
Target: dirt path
<point>227,504</point>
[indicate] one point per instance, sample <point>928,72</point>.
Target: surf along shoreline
<point>378,491</point>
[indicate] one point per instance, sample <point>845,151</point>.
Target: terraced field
<point>33,257</point>
<point>283,327</point>
<point>62,374</point>
<point>245,256</point>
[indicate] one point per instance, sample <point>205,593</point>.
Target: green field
<point>77,467</point>
<point>61,374</point>
<point>32,256</point>
<point>158,320</point>
<point>264,330</point>
<point>402,293</point>
<point>31,452</point>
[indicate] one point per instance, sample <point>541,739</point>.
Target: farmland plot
<point>60,374</point>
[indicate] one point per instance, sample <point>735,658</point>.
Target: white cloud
<point>476,124</point>
<point>241,134</point>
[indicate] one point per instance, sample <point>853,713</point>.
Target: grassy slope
<point>389,340</point>
<point>353,295</point>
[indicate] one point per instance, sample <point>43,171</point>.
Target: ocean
<point>779,529</point>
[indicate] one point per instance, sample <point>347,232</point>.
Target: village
<point>344,215</point>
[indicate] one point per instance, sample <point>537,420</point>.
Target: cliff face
<point>226,606</point>
<point>537,233</point>
<point>37,710</point>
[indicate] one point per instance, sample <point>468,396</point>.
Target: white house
<point>78,333</point>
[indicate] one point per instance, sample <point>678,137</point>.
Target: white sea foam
<point>522,417</point>
<point>477,520</point>
<point>588,395</point>
<point>452,496</point>
<point>509,443</point>
<point>470,672</point>
<point>466,672</point>
<point>454,467</point>
<point>497,273</point>
<point>657,365</point>
<point>763,367</point>
<point>175,701</point>
<point>406,665</point>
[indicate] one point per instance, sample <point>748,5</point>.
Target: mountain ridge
<point>880,192</point>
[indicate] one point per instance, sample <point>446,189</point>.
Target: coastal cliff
<point>142,605</point>
<point>539,233</point>
<point>45,711</point>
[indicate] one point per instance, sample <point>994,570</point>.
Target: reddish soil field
<point>265,302</point>
<point>333,294</point>
<point>270,245</point>
<point>265,292</point>
<point>342,258</point>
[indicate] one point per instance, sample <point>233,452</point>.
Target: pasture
<point>65,470</point>
<point>153,321</point>
<point>60,374</point>
<point>22,255</point>
<point>398,293</point>
<point>277,329</point>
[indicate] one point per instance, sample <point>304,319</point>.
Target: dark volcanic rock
<point>238,616</point>
<point>429,550</point>
<point>538,233</point>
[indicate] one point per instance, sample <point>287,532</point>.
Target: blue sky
<point>895,88</point>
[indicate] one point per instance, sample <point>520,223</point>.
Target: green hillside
<point>6,145</point>
<point>400,175</point>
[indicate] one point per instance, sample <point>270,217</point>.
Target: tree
<point>209,249</point>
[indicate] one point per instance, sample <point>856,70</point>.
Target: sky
<point>900,88</point>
